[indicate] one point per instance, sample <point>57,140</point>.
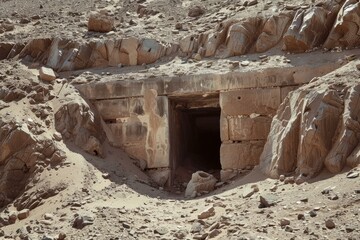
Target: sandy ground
<point>121,200</point>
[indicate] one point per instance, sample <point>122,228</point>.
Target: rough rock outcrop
<point>23,156</point>
<point>200,182</point>
<point>310,27</point>
<point>242,35</point>
<point>76,121</point>
<point>273,31</point>
<point>345,32</point>
<point>67,55</point>
<point>316,125</point>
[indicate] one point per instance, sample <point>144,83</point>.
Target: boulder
<point>78,122</point>
<point>345,32</point>
<point>272,32</point>
<point>242,35</point>
<point>149,51</point>
<point>100,22</point>
<point>316,126</point>
<point>196,11</point>
<point>200,182</point>
<point>310,27</point>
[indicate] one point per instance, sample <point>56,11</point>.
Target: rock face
<point>100,22</point>
<point>77,122</point>
<point>344,33</point>
<point>200,182</point>
<point>310,27</point>
<point>21,156</point>
<point>316,125</point>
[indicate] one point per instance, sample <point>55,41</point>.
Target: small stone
<point>352,175</point>
<point>57,136</point>
<point>161,230</point>
<point>312,213</point>
<point>197,57</point>
<point>105,175</point>
<point>200,236</point>
<point>284,222</point>
<point>245,63</point>
<point>301,216</point>
<point>61,236</point>
<point>282,178</point>
<point>23,214</point>
<point>252,3</point>
<point>267,201</point>
<point>47,74</point>
<point>196,227</point>
<point>209,212</point>
<point>329,223</point>
<point>289,180</point>
<point>214,233</point>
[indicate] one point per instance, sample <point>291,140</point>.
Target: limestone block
<point>272,32</point>
<point>249,128</point>
<point>47,74</point>
<point>113,108</point>
<point>224,128</point>
<point>345,32</point>
<point>264,101</point>
<point>240,155</point>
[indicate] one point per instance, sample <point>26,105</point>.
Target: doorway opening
<point>194,136</point>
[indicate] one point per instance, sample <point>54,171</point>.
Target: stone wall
<point>139,126</point>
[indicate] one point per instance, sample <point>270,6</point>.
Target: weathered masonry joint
<point>201,122</point>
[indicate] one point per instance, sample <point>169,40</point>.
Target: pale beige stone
<point>240,155</point>
<point>100,22</point>
<point>248,128</point>
<point>47,74</point>
<point>263,101</point>
<point>345,31</point>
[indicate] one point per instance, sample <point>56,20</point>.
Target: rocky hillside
<point>61,179</point>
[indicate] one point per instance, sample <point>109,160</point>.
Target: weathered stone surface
<point>128,51</point>
<point>240,155</point>
<point>316,126</point>
<point>249,128</point>
<point>206,213</point>
<point>113,109</point>
<point>242,35</point>
<point>310,27</point>
<point>23,214</point>
<point>149,51</point>
<point>272,31</point>
<point>200,182</point>
<point>345,31</point>
<point>75,120</point>
<point>47,74</point>
<point>262,101</point>
<point>20,153</point>
<point>100,22</point>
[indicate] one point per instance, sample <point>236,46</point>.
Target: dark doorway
<point>194,136</point>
